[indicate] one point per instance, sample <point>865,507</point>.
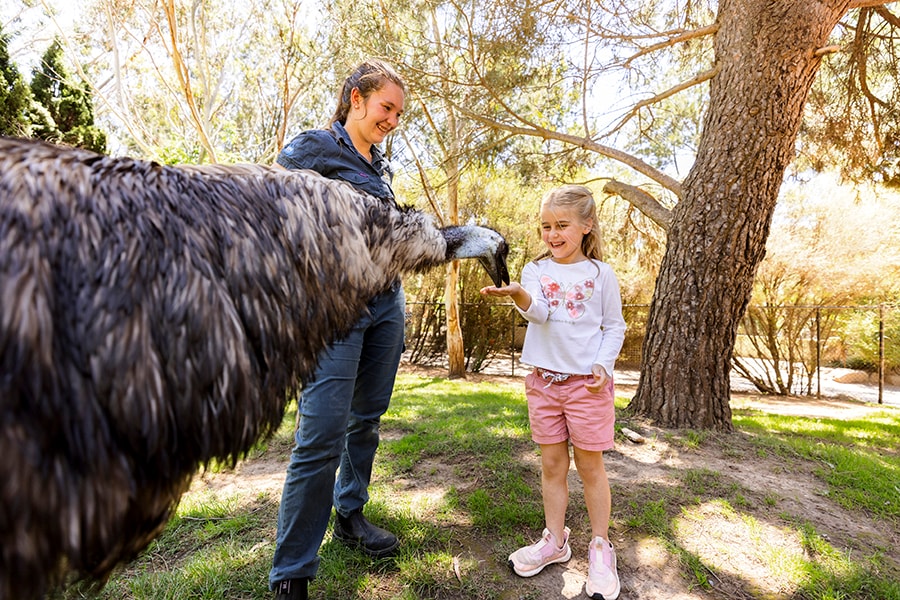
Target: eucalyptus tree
<point>748,67</point>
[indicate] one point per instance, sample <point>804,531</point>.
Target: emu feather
<point>154,318</point>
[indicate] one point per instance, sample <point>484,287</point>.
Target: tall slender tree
<point>424,40</point>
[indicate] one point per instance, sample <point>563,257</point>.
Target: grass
<point>857,458</point>
<point>457,478</point>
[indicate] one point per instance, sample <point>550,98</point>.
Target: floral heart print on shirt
<point>573,296</point>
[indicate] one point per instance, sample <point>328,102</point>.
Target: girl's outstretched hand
<point>513,290</point>
<point>507,290</point>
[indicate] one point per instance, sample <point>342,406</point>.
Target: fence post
<point>818,352</point>
<point>880,353</point>
<point>512,340</point>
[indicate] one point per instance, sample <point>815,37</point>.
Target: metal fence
<point>779,349</point>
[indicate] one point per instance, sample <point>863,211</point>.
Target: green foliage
<point>861,332</point>
<point>68,114</point>
<point>851,118</point>
<point>816,259</point>
<point>15,97</point>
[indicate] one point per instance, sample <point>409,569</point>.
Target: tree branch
<point>586,143</point>
<point>185,81</point>
<point>860,58</point>
<point>670,183</point>
<point>584,79</point>
<point>887,15</point>
<point>695,80</point>
<point>426,183</point>
<point>827,50</point>
<point>642,201</point>
<point>681,37</point>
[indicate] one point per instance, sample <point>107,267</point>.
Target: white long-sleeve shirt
<point>575,318</point>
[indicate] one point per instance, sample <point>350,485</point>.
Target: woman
<point>341,408</point>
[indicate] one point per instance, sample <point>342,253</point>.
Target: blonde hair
<point>579,200</point>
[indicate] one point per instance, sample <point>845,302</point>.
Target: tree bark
<point>456,352</point>
<point>766,52</point>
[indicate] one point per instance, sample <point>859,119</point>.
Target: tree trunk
<point>456,352</point>
<point>767,54</point>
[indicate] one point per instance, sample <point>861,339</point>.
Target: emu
<point>154,318</point>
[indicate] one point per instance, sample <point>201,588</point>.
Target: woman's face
<point>562,230</point>
<point>371,119</point>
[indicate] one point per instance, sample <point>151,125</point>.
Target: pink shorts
<point>568,411</point>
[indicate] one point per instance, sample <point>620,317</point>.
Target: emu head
<point>482,243</point>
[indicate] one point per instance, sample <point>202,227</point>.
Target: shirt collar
<point>344,137</point>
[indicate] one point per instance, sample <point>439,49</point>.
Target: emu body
<point>154,318</point>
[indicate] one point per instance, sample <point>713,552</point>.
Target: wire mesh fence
<point>779,349</point>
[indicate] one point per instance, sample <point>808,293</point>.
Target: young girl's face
<point>562,230</point>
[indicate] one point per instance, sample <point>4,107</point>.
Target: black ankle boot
<point>292,589</point>
<point>357,532</point>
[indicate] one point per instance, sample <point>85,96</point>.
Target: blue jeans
<point>340,413</point>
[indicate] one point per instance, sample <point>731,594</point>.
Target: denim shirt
<point>331,153</point>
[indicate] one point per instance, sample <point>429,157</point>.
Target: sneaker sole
<point>599,596</point>
<point>533,572</point>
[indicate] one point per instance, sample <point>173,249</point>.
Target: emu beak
<point>495,265</point>
<point>483,243</point>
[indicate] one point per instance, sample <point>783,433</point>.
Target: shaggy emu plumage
<point>154,318</point>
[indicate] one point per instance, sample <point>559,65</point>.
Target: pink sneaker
<point>532,559</point>
<point>603,579</point>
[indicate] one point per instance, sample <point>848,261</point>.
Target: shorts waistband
<point>552,377</point>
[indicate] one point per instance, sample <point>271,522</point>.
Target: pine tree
<point>15,97</point>
<point>69,111</point>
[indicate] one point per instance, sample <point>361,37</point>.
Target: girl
<point>340,409</point>
<point>571,301</point>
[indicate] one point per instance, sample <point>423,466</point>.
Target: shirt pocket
<point>366,183</point>
<point>353,177</point>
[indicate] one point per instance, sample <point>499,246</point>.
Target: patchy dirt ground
<point>722,538</point>
<point>777,490</point>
